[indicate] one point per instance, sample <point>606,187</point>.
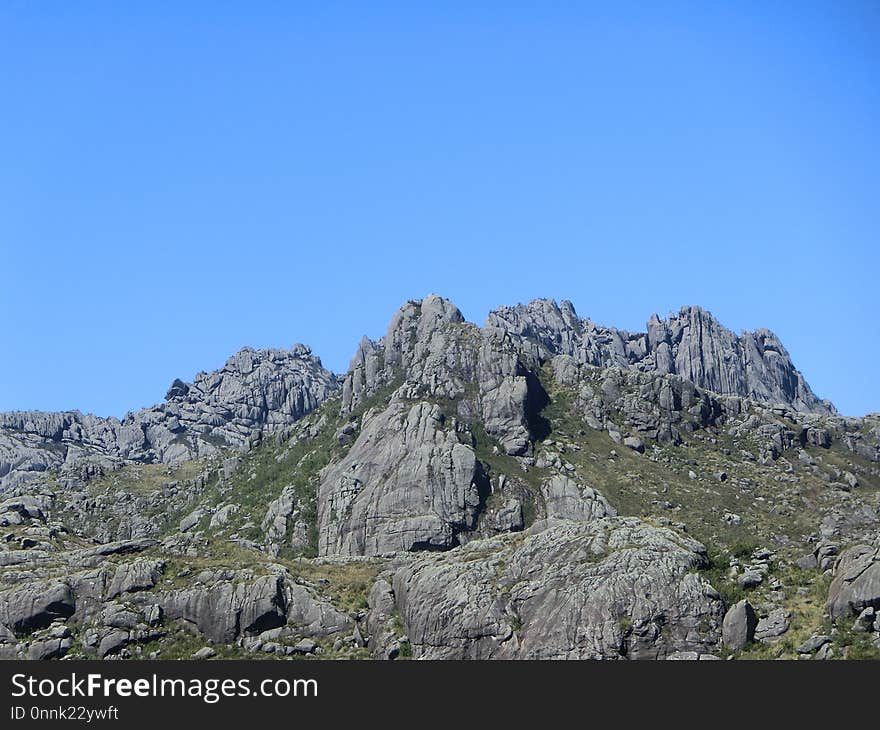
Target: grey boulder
<point>740,622</point>
<point>856,583</point>
<point>566,499</point>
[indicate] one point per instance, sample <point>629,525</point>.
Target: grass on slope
<point>777,507</point>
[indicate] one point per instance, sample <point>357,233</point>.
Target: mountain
<point>539,487</point>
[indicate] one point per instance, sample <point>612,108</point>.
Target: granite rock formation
<point>539,487</point>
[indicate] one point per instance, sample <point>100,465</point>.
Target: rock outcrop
<point>407,483</point>
<point>35,605</point>
<point>227,604</point>
<point>436,354</point>
<point>609,589</point>
<point>691,344</point>
<point>254,390</point>
<point>565,499</point>
<point>856,584</point>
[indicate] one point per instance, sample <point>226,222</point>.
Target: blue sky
<point>178,180</point>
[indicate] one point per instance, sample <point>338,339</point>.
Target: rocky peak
<point>260,387</point>
<point>754,364</point>
<point>409,340</point>
<point>254,390</point>
<point>415,321</point>
<point>690,343</point>
<point>549,328</point>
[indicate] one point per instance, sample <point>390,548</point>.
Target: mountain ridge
<point>541,487</point>
<point>562,304</point>
<point>231,405</point>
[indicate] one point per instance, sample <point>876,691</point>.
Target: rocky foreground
<point>541,488</point>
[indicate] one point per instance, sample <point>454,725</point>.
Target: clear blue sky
<point>178,180</point>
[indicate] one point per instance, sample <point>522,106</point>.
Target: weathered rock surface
<point>313,617</point>
<point>773,626</point>
<point>856,583</point>
<point>255,389</point>
<point>118,606</point>
<point>35,606</point>
<point>565,499</point>
<point>611,588</point>
<point>228,604</point>
<point>691,344</point>
<point>138,575</point>
<point>814,643</point>
<point>437,354</point>
<point>49,648</point>
<point>740,622</point>
<point>407,483</point>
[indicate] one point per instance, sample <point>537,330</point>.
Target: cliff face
<point>539,487</point>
